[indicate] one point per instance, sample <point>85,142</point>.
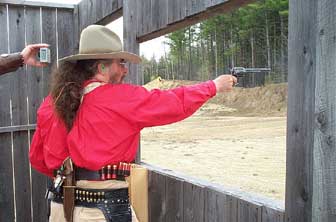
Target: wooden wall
<point>159,17</point>
<point>21,93</point>
<point>98,12</point>
<point>172,197</point>
<point>154,17</point>
<point>311,122</point>
<point>176,197</point>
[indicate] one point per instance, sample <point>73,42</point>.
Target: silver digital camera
<point>44,55</point>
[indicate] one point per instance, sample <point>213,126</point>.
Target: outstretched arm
<point>160,107</point>
<point>11,62</point>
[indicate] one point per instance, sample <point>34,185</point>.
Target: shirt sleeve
<point>160,107</point>
<point>10,62</point>
<point>36,155</point>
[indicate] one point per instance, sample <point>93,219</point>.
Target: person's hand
<point>224,83</point>
<point>29,54</point>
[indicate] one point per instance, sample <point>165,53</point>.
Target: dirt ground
<point>228,143</point>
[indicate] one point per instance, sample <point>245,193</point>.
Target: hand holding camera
<point>36,55</point>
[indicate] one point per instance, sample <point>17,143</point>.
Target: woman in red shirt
<point>96,119</point>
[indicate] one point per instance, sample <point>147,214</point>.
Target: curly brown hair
<point>67,85</point>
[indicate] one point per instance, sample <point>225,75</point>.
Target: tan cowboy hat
<point>99,42</point>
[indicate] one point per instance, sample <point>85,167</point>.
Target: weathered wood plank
<point>178,17</point>
<point>22,176</point>
<point>231,208</point>
<point>17,24</point>
<point>49,36</point>
<point>34,74</point>
<point>98,12</point>
<point>76,29</point>
<point>163,19</point>
<point>177,11</point>
<point>146,16</point>
<point>300,114</point>
<point>6,178</point>
<point>156,196</point>
<point>324,153</point>
<point>139,18</point>
<point>214,206</point>
<point>159,14</point>
<point>39,184</point>
<point>131,45</point>
<point>194,7</point>
<point>217,2</point>
<point>91,11</point>
<point>220,203</point>
<point>172,12</point>
<point>272,215</point>
<point>155,15</point>
<point>83,17</point>
<point>193,202</point>
<point>4,79</point>
<point>65,38</point>
<point>36,4</point>
<point>115,5</point>
<point>19,78</point>
<point>174,199</point>
<point>248,212</point>
<point>220,207</point>
<point>18,91</point>
<point>106,7</point>
<point>120,3</point>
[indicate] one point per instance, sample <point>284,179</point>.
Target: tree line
<point>253,36</point>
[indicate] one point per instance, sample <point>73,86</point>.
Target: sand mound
<point>160,83</point>
<point>269,100</point>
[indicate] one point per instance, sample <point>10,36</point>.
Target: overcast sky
<point>148,49</point>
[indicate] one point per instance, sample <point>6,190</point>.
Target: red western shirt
<point>107,127</point>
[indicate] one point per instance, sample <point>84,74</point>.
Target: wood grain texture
<point>324,153</point>
<point>39,185</point>
<point>98,12</point>
<point>22,176</point>
<point>174,199</point>
<point>34,74</point>
<point>156,197</point>
<point>220,207</point>
<point>249,212</point>
<point>300,114</point>
<point>6,175</point>
<point>49,36</point>
<point>4,79</point>
<point>65,39</point>
<point>272,215</point>
<point>193,202</point>
<point>18,79</point>
<point>204,201</point>
<point>180,14</point>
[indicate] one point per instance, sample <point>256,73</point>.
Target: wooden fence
<point>175,197</point>
<point>21,188</point>
<point>172,197</point>
<point>311,143</point>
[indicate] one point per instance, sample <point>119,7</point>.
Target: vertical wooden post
<point>311,128</point>
<point>131,44</point>
<point>324,175</point>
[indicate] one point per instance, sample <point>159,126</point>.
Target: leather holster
<point>69,186</point>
